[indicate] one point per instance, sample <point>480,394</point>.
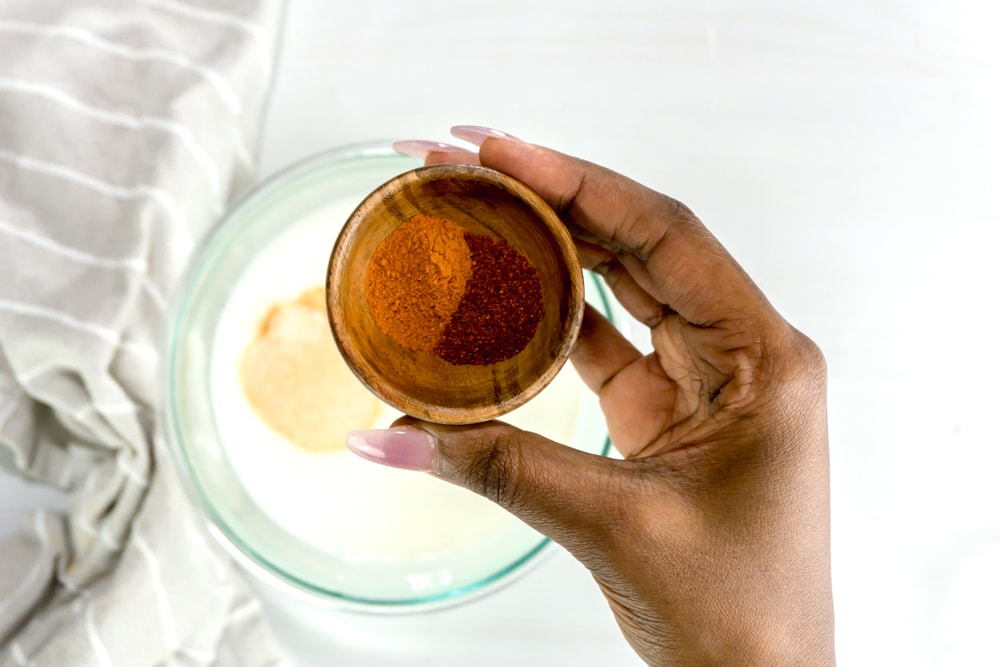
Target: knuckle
<point>814,355</point>
<point>679,209</point>
<point>495,470</point>
<point>809,358</point>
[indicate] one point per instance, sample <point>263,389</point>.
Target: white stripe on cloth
<point>127,470</point>
<point>130,263</point>
<point>133,264</point>
<point>100,650</point>
<point>80,414</point>
<point>36,570</point>
<point>18,653</point>
<point>88,527</point>
<point>61,318</point>
<point>243,611</point>
<point>198,655</point>
<point>141,350</point>
<point>225,91</point>
<point>258,34</point>
<point>139,122</point>
<point>8,411</point>
<point>26,377</point>
<point>159,590</point>
<point>241,152</point>
<point>160,196</point>
<point>116,409</point>
<point>69,585</point>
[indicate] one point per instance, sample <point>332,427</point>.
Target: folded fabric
<point>125,127</point>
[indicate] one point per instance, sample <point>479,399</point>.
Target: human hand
<point>710,539</point>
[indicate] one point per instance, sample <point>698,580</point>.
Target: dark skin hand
<point>710,540</point>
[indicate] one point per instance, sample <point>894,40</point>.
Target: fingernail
<point>403,447</point>
<point>477,134</point>
<point>420,149</point>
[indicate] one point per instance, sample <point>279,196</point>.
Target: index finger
<point>681,264</point>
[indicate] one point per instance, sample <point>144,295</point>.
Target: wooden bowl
<point>480,201</point>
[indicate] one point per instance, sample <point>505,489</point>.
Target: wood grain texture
<point>481,201</point>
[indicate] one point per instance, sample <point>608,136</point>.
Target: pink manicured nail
<point>419,148</point>
<point>477,134</point>
<point>400,447</point>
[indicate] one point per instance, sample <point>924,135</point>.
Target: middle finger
<point>636,300</point>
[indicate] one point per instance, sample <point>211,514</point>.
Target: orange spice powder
<point>416,280</point>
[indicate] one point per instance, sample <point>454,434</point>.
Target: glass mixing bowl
<point>329,525</point>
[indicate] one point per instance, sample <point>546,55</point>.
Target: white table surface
<point>848,155</point>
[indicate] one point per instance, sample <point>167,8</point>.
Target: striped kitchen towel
<point>125,128</point>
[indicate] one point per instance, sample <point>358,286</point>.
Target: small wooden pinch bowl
<point>481,201</point>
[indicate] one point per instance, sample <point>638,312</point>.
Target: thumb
<point>572,497</point>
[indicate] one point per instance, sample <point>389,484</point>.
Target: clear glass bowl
<point>333,527</point>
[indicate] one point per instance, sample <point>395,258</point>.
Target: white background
<point>848,154</point>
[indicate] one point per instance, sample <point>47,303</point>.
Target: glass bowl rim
<point>169,428</point>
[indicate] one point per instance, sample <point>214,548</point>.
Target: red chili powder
<point>500,310</point>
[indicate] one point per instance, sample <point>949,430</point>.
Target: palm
<point>672,397</point>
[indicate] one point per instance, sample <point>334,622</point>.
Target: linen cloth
<point>125,127</point>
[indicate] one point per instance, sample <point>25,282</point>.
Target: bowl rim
<point>168,427</point>
<point>553,226</point>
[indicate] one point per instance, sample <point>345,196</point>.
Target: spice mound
<point>468,298</point>
<point>296,380</point>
